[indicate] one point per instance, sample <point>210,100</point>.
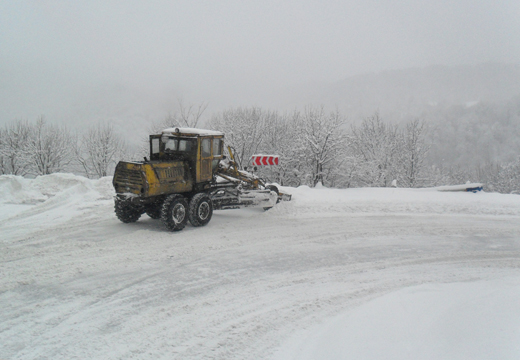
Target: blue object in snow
<point>475,189</point>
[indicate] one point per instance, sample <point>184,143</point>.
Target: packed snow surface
<point>333,274</point>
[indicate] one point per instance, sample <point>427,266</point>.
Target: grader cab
<point>185,178</point>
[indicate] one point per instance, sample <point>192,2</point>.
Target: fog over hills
<point>395,94</point>
<point>471,118</point>
<point>473,110</point>
<point>398,94</point>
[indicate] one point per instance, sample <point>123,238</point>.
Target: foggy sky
<point>98,59</point>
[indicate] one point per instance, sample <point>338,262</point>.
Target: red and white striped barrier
<point>265,159</point>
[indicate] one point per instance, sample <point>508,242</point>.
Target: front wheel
<point>200,209</point>
<point>126,211</point>
<point>174,213</point>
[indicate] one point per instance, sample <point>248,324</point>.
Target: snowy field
<point>333,274</point>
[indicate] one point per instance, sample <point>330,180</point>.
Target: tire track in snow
<point>228,290</point>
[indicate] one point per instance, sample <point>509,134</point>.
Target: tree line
<point>40,148</point>
<point>315,146</point>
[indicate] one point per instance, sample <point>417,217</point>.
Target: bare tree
<point>190,115</point>
<point>309,143</point>
<point>3,165</point>
<point>414,151</point>
<point>500,177</point>
<point>183,116</point>
<point>244,129</point>
<point>100,149</point>
<point>3,153</point>
<point>14,144</point>
<point>377,145</point>
<point>321,140</point>
<point>279,136</point>
<point>51,148</point>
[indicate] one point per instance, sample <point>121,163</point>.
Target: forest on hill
<point>419,127</point>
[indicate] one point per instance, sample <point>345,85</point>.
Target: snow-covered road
<point>77,284</point>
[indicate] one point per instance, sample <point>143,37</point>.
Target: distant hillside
<point>473,112</point>
<point>399,94</point>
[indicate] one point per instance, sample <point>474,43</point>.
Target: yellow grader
<point>187,177</point>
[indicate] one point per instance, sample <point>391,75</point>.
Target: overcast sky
<point>90,60</point>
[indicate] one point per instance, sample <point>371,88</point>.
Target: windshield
<point>176,145</point>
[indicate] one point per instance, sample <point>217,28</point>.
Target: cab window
<point>217,149</point>
<point>184,145</point>
<point>206,147</point>
<point>155,146</point>
<point>170,145</point>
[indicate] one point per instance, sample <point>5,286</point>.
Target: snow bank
<point>309,202</point>
<point>44,193</point>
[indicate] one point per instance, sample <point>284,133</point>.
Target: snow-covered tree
<point>99,150</point>
<point>281,137</point>
<point>503,178</point>
<point>51,148</point>
<point>413,152</point>
<point>14,144</point>
<point>321,141</point>
<point>184,115</point>
<point>308,143</point>
<point>244,130</point>
<point>190,115</point>
<point>377,145</point>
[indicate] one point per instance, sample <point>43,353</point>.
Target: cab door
<point>204,172</point>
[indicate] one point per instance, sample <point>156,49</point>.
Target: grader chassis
<point>185,179</point>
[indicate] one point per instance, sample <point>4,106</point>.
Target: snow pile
<point>19,190</point>
<point>52,198</point>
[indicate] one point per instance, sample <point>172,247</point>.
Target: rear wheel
<point>174,212</point>
<point>126,211</point>
<point>200,209</point>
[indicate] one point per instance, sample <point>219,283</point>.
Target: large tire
<point>126,211</point>
<point>200,209</point>
<point>174,213</point>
